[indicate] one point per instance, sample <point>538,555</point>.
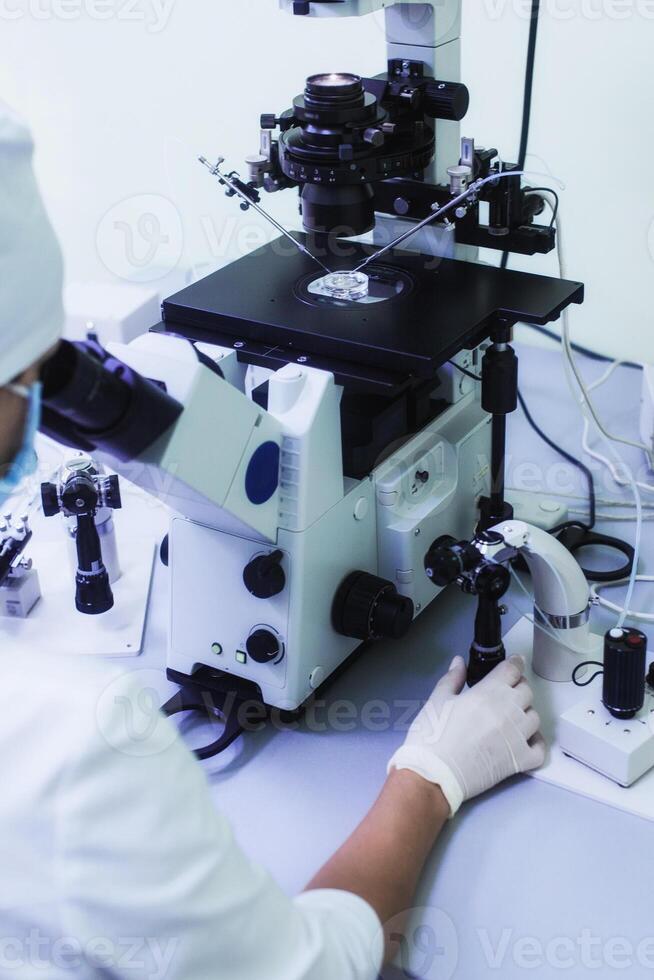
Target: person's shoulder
<point>63,695</point>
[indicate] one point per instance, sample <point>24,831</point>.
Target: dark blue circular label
<point>262,477</point>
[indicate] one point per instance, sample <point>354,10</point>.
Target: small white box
<point>621,750</point>
<point>20,593</point>
<point>115,312</point>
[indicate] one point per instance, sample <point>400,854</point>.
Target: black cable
<point>586,351</point>
<point>468,374</point>
<point>571,459</point>
<point>562,452</point>
<point>587,663</point>
<point>576,534</point>
<point>529,88</point>
<point>550,190</point>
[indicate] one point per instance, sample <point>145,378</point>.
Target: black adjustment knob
<point>264,576</point>
<point>368,608</point>
<point>111,490</point>
<point>448,558</point>
<point>650,676</point>
<point>625,664</point>
<point>49,499</point>
<point>446,100</point>
<point>263,646</point>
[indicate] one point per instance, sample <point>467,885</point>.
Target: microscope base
<point>55,627</point>
<point>553,701</point>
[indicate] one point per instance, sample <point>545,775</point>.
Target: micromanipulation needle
<point>233,186</point>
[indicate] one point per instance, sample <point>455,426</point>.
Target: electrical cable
<point>593,355</point>
<point>587,663</point>
<point>528,93</point>
<point>587,408</point>
<point>550,442</point>
<point>468,374</point>
<point>613,606</point>
<point>538,192</point>
<point>620,480</point>
<point>536,623</point>
<point>571,459</point>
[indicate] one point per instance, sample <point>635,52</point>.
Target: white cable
<point>614,607</point>
<point>615,475</point>
<point>620,480</point>
<point>612,518</point>
<point>535,622</point>
<point>574,379</point>
<point>605,501</point>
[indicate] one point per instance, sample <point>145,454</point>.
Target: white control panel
<point>214,616</point>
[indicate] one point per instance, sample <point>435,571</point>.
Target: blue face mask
<point>25,462</point>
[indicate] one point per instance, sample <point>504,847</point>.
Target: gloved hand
<point>469,742</point>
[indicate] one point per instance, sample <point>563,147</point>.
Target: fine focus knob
<point>263,646</point>
<point>264,576</point>
<point>446,100</point>
<point>368,608</point>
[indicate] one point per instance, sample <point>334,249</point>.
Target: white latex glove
<point>469,742</point>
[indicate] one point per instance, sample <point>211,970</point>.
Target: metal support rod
<point>498,458</point>
<point>499,397</point>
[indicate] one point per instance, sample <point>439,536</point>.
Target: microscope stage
<point>428,311</point>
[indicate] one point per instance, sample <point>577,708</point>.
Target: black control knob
<point>448,558</point>
<point>446,100</point>
<point>264,576</point>
<point>49,499</point>
<point>263,646</point>
<point>625,665</point>
<point>369,608</point>
<point>111,493</point>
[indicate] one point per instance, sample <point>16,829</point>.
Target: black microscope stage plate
<point>258,300</point>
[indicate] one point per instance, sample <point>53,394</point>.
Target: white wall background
<point>123,94</point>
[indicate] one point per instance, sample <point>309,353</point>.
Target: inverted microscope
<point>306,411</point>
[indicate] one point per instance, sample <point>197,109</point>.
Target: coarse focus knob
<point>446,100</point>
<point>263,646</point>
<point>368,608</point>
<point>264,576</point>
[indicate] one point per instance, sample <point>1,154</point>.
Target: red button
<point>634,640</point>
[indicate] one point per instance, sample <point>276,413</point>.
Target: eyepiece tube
<point>94,401</point>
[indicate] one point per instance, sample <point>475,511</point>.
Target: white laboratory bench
<point>530,880</point>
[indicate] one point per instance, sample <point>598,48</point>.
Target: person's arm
<point>142,852</point>
<point>460,745</point>
<point>383,859</point>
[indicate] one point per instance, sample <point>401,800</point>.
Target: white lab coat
<point>113,859</point>
<point>115,863</point>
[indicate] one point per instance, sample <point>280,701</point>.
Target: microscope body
<point>294,542</point>
<point>253,487</point>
